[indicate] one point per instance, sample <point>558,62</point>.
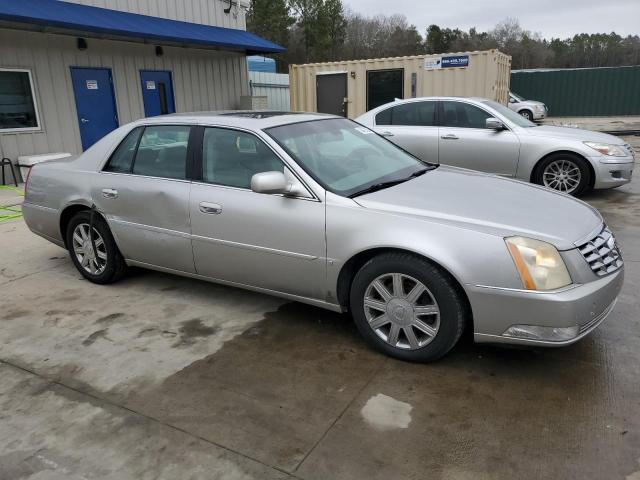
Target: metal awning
<point>56,16</point>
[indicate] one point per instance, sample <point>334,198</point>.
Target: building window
<point>17,101</point>
<point>384,86</point>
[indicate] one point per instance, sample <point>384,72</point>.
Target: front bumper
<point>495,310</point>
<point>612,174</point>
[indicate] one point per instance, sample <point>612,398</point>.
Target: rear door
<point>331,93</point>
<point>466,142</point>
<point>144,193</point>
<point>412,126</point>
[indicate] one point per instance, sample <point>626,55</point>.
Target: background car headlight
<point>539,264</point>
<point>607,149</point>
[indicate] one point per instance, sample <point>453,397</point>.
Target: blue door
<point>157,92</point>
<point>95,103</point>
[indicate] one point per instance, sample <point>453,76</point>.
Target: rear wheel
<point>407,307</point>
<point>565,173</point>
<point>97,259</point>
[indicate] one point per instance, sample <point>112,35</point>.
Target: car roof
<point>252,119</point>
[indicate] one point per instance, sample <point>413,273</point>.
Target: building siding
<point>274,86</point>
<point>202,80</point>
<point>207,12</point>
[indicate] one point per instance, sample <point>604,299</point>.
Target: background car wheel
<point>102,265</point>
<point>407,307</point>
<point>526,114</point>
<point>565,173</point>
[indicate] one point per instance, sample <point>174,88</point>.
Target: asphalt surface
<point>165,377</point>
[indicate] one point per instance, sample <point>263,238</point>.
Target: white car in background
<point>532,110</point>
<point>484,135</point>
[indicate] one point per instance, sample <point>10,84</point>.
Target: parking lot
<point>159,376</point>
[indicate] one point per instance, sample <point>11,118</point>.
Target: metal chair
<point>6,161</point>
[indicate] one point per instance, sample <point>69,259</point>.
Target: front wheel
<point>407,307</point>
<point>94,252</point>
<point>527,114</point>
<point>565,173</point>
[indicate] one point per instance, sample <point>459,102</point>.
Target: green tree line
<point>324,30</point>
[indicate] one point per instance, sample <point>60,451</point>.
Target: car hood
<point>495,205</point>
<point>531,102</point>
<point>573,134</point>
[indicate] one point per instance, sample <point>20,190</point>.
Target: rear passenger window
<point>231,158</point>
<point>421,114</point>
<point>163,152</point>
<point>122,158</point>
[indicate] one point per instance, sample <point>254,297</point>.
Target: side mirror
<point>512,100</point>
<point>494,124</point>
<point>269,182</point>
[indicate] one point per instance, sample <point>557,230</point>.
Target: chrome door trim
<point>308,300</point>
<point>151,228</point>
<point>257,248</point>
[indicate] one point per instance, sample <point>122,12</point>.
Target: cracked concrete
<point>161,377</point>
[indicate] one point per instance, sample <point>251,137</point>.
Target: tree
<point>334,26</point>
<point>270,19</point>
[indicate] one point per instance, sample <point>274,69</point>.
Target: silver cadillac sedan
<point>484,135</point>
<point>322,210</point>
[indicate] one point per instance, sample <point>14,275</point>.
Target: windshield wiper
<point>381,185</point>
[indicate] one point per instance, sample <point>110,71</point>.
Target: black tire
<point>585,173</point>
<point>443,288</point>
<point>527,114</point>
<point>115,266</point>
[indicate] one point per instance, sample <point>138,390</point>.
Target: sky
<point>550,18</point>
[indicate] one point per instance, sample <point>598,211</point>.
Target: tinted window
<point>414,113</point>
<point>163,152</point>
<point>231,158</point>
<point>17,108</point>
<point>122,158</point>
<point>463,115</point>
<point>383,86</point>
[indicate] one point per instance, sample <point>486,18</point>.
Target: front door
<point>267,241</point>
<point>331,93</point>
<point>157,93</point>
<point>95,103</point>
<point>466,142</point>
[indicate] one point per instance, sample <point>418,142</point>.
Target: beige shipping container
<point>345,87</point>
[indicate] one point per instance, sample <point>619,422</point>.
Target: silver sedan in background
<point>320,209</point>
<point>484,135</point>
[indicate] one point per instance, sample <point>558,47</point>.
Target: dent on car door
<point>413,127</point>
<point>268,241</point>
<point>466,142</point>
<point>144,193</point>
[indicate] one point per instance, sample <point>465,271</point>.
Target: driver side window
<point>463,115</point>
<point>231,157</point>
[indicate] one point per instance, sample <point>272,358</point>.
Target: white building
<point>72,71</point>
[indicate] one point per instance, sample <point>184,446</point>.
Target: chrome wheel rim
<point>562,175</point>
<point>93,262</point>
<point>401,311</point>
<point>526,115</point>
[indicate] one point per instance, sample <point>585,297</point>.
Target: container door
<point>157,93</point>
<point>331,93</point>
<point>95,103</point>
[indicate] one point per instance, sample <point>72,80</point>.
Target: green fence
<point>582,91</point>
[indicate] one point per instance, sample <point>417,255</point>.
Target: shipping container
<point>574,92</point>
<point>350,88</point>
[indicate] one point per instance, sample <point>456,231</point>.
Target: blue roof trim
<point>94,20</point>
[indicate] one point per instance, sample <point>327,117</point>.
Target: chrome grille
<point>602,253</point>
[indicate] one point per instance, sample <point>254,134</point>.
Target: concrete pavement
<point>165,377</point>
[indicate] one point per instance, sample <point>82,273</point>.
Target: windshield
<point>345,157</point>
<point>513,117</point>
<point>517,97</point>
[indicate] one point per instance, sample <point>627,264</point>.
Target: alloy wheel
<point>94,262</point>
<point>401,311</point>
<point>562,175</point>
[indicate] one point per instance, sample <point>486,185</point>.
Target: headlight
<point>607,149</point>
<point>539,264</point>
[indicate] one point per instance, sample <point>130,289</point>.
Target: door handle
<point>210,208</point>
<point>84,120</point>
<point>386,134</point>
<point>109,193</point>
<point>450,136</point>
